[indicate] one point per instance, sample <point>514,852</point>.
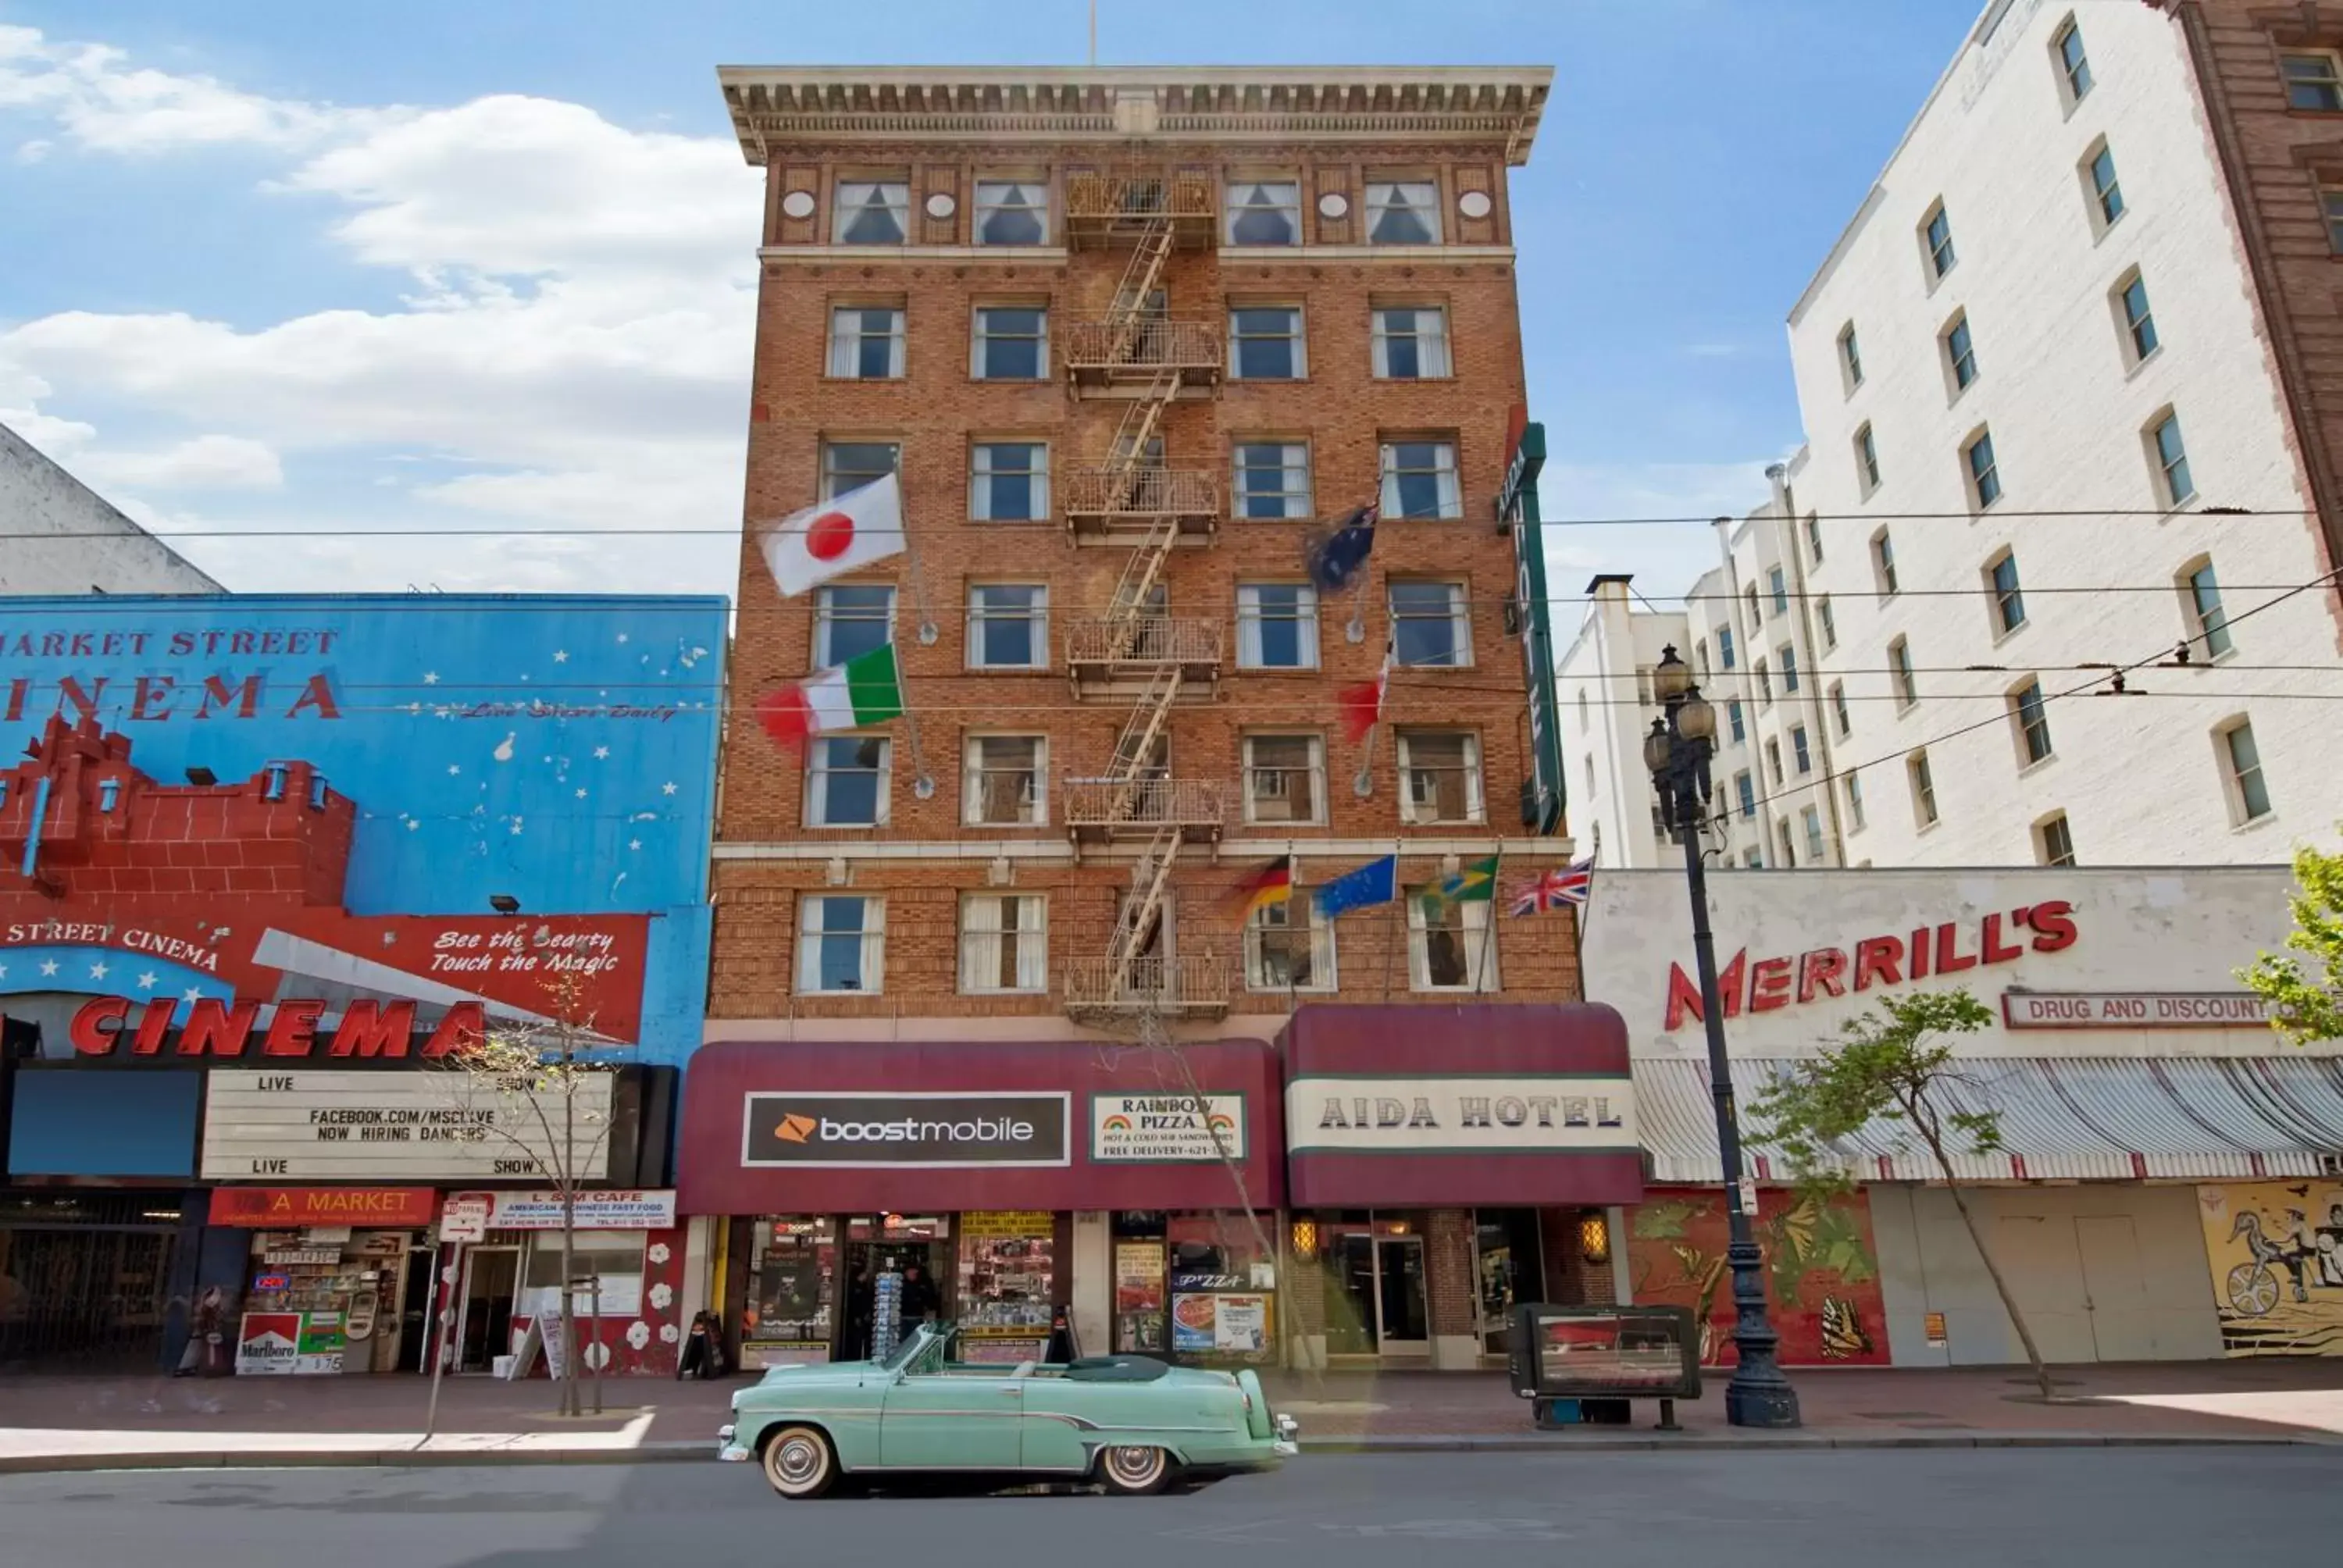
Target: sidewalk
<point>61,1423</point>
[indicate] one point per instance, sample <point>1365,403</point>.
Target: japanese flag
<point>806,549</point>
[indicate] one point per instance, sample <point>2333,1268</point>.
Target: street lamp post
<point>1677,751</point>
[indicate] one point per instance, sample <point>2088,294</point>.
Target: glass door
<point>1350,1296</point>
<point>1400,1321</point>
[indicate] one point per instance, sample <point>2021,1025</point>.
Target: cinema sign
<point>173,1028</point>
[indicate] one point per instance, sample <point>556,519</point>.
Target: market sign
<point>1452,1115</point>
<point>296,1208</point>
<point>1167,1128</point>
<point>440,1125</point>
<point>2134,1010</point>
<point>908,1129</point>
<point>615,1210</point>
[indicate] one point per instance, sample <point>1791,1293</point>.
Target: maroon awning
<point>848,1127</point>
<point>1482,1104</point>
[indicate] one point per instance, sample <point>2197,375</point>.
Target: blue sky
<point>347,271</point>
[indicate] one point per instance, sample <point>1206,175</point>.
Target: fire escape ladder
<point>1140,275</point>
<point>1149,718</point>
<point>1127,612</point>
<point>1150,875</point>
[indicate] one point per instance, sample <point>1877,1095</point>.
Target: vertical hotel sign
<point>1517,513</point>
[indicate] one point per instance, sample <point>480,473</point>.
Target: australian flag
<point>1333,558</point>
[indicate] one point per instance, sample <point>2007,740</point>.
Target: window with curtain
<point>1004,943</point>
<point>1011,343</point>
<point>1008,627</point>
<point>1263,212</point>
<point>1410,342</point>
<point>1009,482</point>
<point>1286,779</point>
<point>1004,781</point>
<point>1289,947</point>
<point>866,342</point>
<point>1420,480</point>
<point>1449,944</point>
<point>1272,479</point>
<point>1277,626</point>
<point>1265,344</point>
<point>1430,628</point>
<point>846,780</point>
<point>849,620</point>
<point>1439,774</point>
<point>842,943</point>
<point>849,465</point>
<point>1012,212</point>
<point>872,212</point>
<point>1403,211</point>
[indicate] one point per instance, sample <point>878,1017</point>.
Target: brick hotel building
<point>1127,335</point>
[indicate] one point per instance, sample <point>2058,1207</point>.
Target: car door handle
<point>1011,1393</point>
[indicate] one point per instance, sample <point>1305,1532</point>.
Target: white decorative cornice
<point>772,105</point>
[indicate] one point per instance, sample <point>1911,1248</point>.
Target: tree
<point>2308,1008</point>
<point>1893,1066</point>
<point>532,1086</point>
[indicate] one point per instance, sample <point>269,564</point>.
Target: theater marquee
<point>382,1127</point>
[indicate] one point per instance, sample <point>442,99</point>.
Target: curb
<point>683,1452</point>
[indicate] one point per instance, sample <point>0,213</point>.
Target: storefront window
<point>1005,1279</point>
<point>614,1257</point>
<point>792,1275</point>
<point>1222,1282</point>
<point>323,1301</point>
<point>1507,1267</point>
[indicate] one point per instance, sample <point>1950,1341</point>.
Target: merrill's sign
<point>882,1130</point>
<point>1451,1115</point>
<point>2134,1010</point>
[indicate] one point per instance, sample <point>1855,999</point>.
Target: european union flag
<point>1376,882</point>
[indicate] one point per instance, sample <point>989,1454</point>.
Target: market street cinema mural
<point>1822,1272</point>
<point>266,826</point>
<point>2276,1253</point>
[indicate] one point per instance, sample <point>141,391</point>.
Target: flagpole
<point>923,783</point>
<point>1399,902</point>
<point>1489,924</point>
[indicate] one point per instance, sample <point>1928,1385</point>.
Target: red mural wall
<point>1822,1274</point>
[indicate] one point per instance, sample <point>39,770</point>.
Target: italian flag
<point>861,691</point>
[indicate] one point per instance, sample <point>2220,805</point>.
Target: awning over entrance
<point>1412,1106</point>
<point>2070,1117</point>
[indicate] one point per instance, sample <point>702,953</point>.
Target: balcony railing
<point>1191,983</point>
<point>1147,641</point>
<point>1112,808</point>
<point>1136,351</point>
<point>1141,494</point>
<point>1139,196</point>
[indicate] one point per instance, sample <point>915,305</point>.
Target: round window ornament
<point>1333,204</point>
<point>941,205</point>
<point>797,204</point>
<point>1474,204</point>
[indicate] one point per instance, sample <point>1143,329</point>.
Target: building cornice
<point>773,106</point>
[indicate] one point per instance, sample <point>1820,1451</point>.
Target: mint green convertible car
<point>1127,1421</point>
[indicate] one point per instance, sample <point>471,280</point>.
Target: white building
<point>2037,393</point>
<point>63,537</point>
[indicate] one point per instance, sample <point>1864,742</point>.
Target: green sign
<point>1542,800</point>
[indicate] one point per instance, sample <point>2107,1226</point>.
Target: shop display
<point>1139,1297</point>
<point>1005,1270</point>
<point>315,1300</point>
<point>887,1301</point>
<point>1220,1284</point>
<point>792,1275</point>
<point>283,1343</point>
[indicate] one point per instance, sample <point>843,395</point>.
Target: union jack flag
<point>1555,888</point>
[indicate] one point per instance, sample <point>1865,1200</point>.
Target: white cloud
<point>576,343</point>
<point>1602,517</point>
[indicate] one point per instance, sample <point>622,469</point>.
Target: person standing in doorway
<point>920,1302</point>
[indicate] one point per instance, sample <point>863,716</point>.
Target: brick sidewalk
<point>2197,1399</point>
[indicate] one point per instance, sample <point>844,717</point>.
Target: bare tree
<point>538,1088</point>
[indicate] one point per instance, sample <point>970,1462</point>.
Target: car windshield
<point>926,1343</point>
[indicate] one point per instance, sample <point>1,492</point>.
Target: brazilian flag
<point>1476,882</point>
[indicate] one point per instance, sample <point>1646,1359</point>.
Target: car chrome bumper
<point>1289,1438</point>
<point>727,1449</point>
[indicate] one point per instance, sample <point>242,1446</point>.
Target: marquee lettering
<point>213,1027</point>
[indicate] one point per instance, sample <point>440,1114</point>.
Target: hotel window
<point>1012,212</point>
<point>1403,211</point>
<point>1936,239</point>
<point>1725,648</point>
<point>1779,586</point>
<point>1764,685</point>
<point>1867,458</point>
<point>1007,625</point>
<point>1773,763</point>
<point>1010,343</point>
<point>1410,342</point>
<point>1734,721</point>
<point>846,781</point>
<point>1811,818</point>
<point>842,943</point>
<point>1789,851</point>
<point>1828,622</point>
<point>1800,752</point>
<point>1262,212</point>
<point>1882,563</point>
<point>1440,776</point>
<point>849,622</point>
<point>1839,714</point>
<point>1757,618</point>
<point>2330,199</point>
<point>1815,538</point>
<point>1277,626</point>
<point>866,342</point>
<point>2171,461</point>
<point>1272,479</point>
<point>2249,798</point>
<point>2008,600</point>
<point>870,212</point>
<point>1420,480</point>
<point>1984,474</point>
<point>2107,191</point>
<point>2208,622</point>
<point>1004,944</point>
<point>1752,859</point>
<point>1430,626</point>
<point>1286,779</point>
<point>1265,343</point>
<point>1003,781</point>
<point>2029,712</point>
<point>1960,354</point>
<point>2054,841</point>
<point>2074,65</point>
<point>1789,657</point>
<point>1744,790</point>
<point>1009,482</point>
<point>1899,666</point>
<point>1449,943</point>
<point>1288,947</point>
<point>1854,802</point>
<point>847,465</point>
<point>1850,356</point>
<point>2312,82</point>
<point>2139,320</point>
<point>1923,789</point>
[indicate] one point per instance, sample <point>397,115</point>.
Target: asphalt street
<point>1917,1509</point>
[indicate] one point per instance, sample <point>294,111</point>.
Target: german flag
<point>1273,885</point>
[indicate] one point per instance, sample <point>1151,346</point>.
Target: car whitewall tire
<point>798,1462</point>
<point>1134,1472</point>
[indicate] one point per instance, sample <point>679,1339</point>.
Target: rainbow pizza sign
<point>1171,1128</point>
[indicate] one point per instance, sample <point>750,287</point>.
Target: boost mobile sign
<point>892,1129</point>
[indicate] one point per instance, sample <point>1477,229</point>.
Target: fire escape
<point>1136,653</point>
